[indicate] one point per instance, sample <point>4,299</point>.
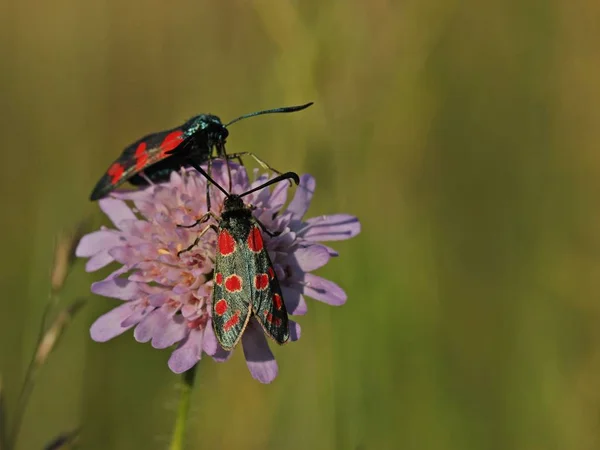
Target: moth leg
<point>209,167</point>
<point>223,153</point>
<point>197,167</point>
<point>146,178</point>
<point>262,163</point>
<point>202,219</point>
<point>197,240</point>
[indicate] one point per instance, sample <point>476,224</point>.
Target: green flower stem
<point>183,410</point>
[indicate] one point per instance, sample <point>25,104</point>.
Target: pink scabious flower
<point>167,297</point>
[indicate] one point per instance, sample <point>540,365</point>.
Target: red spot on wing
<point>226,243</point>
<point>219,278</point>
<point>272,319</point>
<point>233,283</point>
<point>261,281</point>
<point>221,307</point>
<point>115,172</point>
<point>141,149</point>
<point>233,321</point>
<point>271,273</point>
<point>277,301</point>
<point>170,142</point>
<point>255,241</point>
<point>141,157</point>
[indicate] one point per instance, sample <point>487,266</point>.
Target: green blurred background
<point>465,137</point>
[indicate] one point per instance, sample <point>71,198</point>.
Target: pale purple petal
<point>98,261</point>
<point>333,253</point>
<point>294,301</point>
<point>312,257</point>
<point>262,196</point>
<point>172,329</point>
<point>116,210</point>
<point>139,312</point>
<point>124,255</point>
<point>301,201</point>
<point>323,290</point>
<point>147,327</point>
<point>259,359</point>
<point>294,331</point>
<point>95,242</point>
<point>279,196</point>
<point>120,288</point>
<point>176,180</point>
<point>210,340</point>
<point>221,355</point>
<point>132,195</point>
<point>188,353</point>
<point>159,298</point>
<point>284,240</point>
<point>334,227</point>
<point>110,325</point>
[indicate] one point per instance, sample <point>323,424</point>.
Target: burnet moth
<point>155,156</point>
<point>244,279</point>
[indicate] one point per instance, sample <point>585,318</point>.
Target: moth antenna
<point>285,176</point>
<point>285,109</point>
<point>203,172</point>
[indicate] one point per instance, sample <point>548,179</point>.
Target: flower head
<point>167,293</point>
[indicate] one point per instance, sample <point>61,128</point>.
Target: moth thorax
<point>233,203</point>
<point>214,130</point>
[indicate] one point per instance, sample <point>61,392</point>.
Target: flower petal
<point>294,331</point>
<point>210,340</point>
<point>120,288</point>
<point>95,242</point>
<point>139,312</point>
<point>304,193</point>
<point>98,261</point>
<point>124,255</point>
<point>110,325</point>
<point>116,210</point>
<point>188,353</point>
<point>333,253</point>
<point>148,326</point>
<point>259,359</point>
<point>279,195</point>
<point>171,329</point>
<point>294,301</point>
<point>312,257</point>
<point>334,227</point>
<point>323,290</point>
<point>221,355</point>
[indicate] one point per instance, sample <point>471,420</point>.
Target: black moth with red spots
<point>244,279</point>
<point>200,139</point>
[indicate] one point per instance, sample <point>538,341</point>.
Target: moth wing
<point>137,157</point>
<point>267,299</point>
<point>231,309</point>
